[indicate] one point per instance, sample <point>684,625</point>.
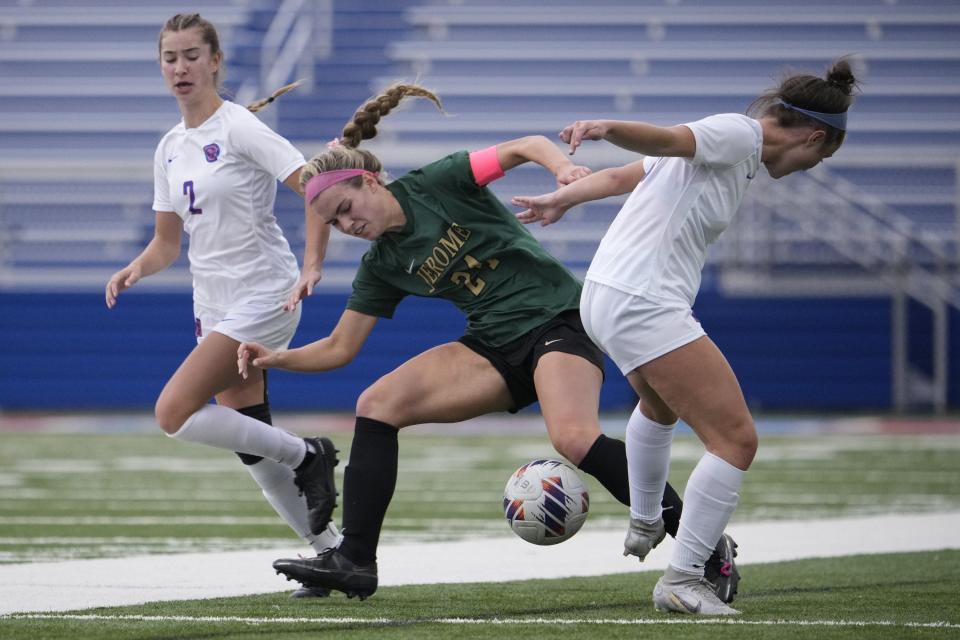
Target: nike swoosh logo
<point>689,606</point>
<point>410,268</point>
<point>550,342</point>
<point>751,177</point>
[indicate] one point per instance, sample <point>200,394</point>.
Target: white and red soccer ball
<point>545,502</point>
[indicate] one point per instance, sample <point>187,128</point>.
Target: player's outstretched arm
<point>545,153</point>
<point>641,137</point>
<point>550,207</point>
<point>335,351</point>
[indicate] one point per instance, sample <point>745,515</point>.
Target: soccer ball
<point>545,502</point>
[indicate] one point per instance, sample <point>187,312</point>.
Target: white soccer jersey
<point>221,179</point>
<point>657,245</point>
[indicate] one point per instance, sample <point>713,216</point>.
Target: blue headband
<point>835,120</point>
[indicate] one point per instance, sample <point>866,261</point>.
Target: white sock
<point>708,502</point>
<point>648,464</point>
<point>228,429</point>
<point>276,481</point>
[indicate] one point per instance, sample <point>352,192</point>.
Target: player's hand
<point>572,174</point>
<point>583,130</point>
<point>543,208</point>
<point>120,281</point>
<point>308,280</point>
<point>252,354</point>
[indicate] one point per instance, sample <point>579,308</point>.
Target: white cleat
<point>642,537</point>
<point>684,593</point>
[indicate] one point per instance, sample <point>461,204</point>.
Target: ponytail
<point>363,126</point>
<point>261,103</point>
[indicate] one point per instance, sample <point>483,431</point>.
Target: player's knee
<point>377,403</point>
<point>739,444</point>
<point>747,444</point>
<point>168,417</point>
<point>573,444</point>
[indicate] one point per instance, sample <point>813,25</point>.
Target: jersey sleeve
<point>161,186</point>
<point>725,140</point>
<point>266,148</point>
<point>451,173</point>
<point>371,295</point>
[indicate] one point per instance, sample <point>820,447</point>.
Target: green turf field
<point>87,495</point>
<point>119,494</point>
<point>884,596</point>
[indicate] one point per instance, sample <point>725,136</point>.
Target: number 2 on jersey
<point>471,281</point>
<point>188,190</point>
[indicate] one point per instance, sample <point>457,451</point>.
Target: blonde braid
<point>363,125</point>
<point>344,154</point>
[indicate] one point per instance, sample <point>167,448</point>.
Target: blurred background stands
<point>872,236</point>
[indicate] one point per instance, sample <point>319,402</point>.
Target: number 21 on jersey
<point>472,281</point>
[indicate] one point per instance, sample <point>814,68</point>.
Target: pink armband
<point>486,166</point>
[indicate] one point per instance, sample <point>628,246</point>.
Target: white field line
<point>82,584</point>
<point>139,521</point>
<point>495,621</point>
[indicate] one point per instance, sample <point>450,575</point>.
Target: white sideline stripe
<point>84,584</point>
<point>140,521</point>
<point>498,621</point>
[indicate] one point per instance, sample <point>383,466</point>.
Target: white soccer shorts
<point>631,329</point>
<point>263,321</point>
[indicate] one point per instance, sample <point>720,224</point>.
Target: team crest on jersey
<point>212,152</point>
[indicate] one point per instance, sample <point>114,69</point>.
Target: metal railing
<point>896,255</point>
<point>300,33</point>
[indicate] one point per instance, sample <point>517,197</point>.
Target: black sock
<point>607,462</point>
<point>672,507</point>
<point>368,484</point>
<point>259,412</point>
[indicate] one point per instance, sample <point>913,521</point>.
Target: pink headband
<point>323,181</point>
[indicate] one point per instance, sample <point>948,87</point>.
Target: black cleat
<point>316,482</point>
<point>331,570</point>
<point>721,569</point>
<point>311,592</point>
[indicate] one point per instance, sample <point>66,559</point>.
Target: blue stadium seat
<point>82,106</point>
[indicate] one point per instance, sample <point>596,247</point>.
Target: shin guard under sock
<point>607,462</point>
<point>368,484</point>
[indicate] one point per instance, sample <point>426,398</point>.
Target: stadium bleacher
<point>83,106</point>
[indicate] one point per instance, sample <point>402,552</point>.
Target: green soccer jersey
<point>460,243</point>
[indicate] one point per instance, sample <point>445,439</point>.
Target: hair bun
<point>840,75</point>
